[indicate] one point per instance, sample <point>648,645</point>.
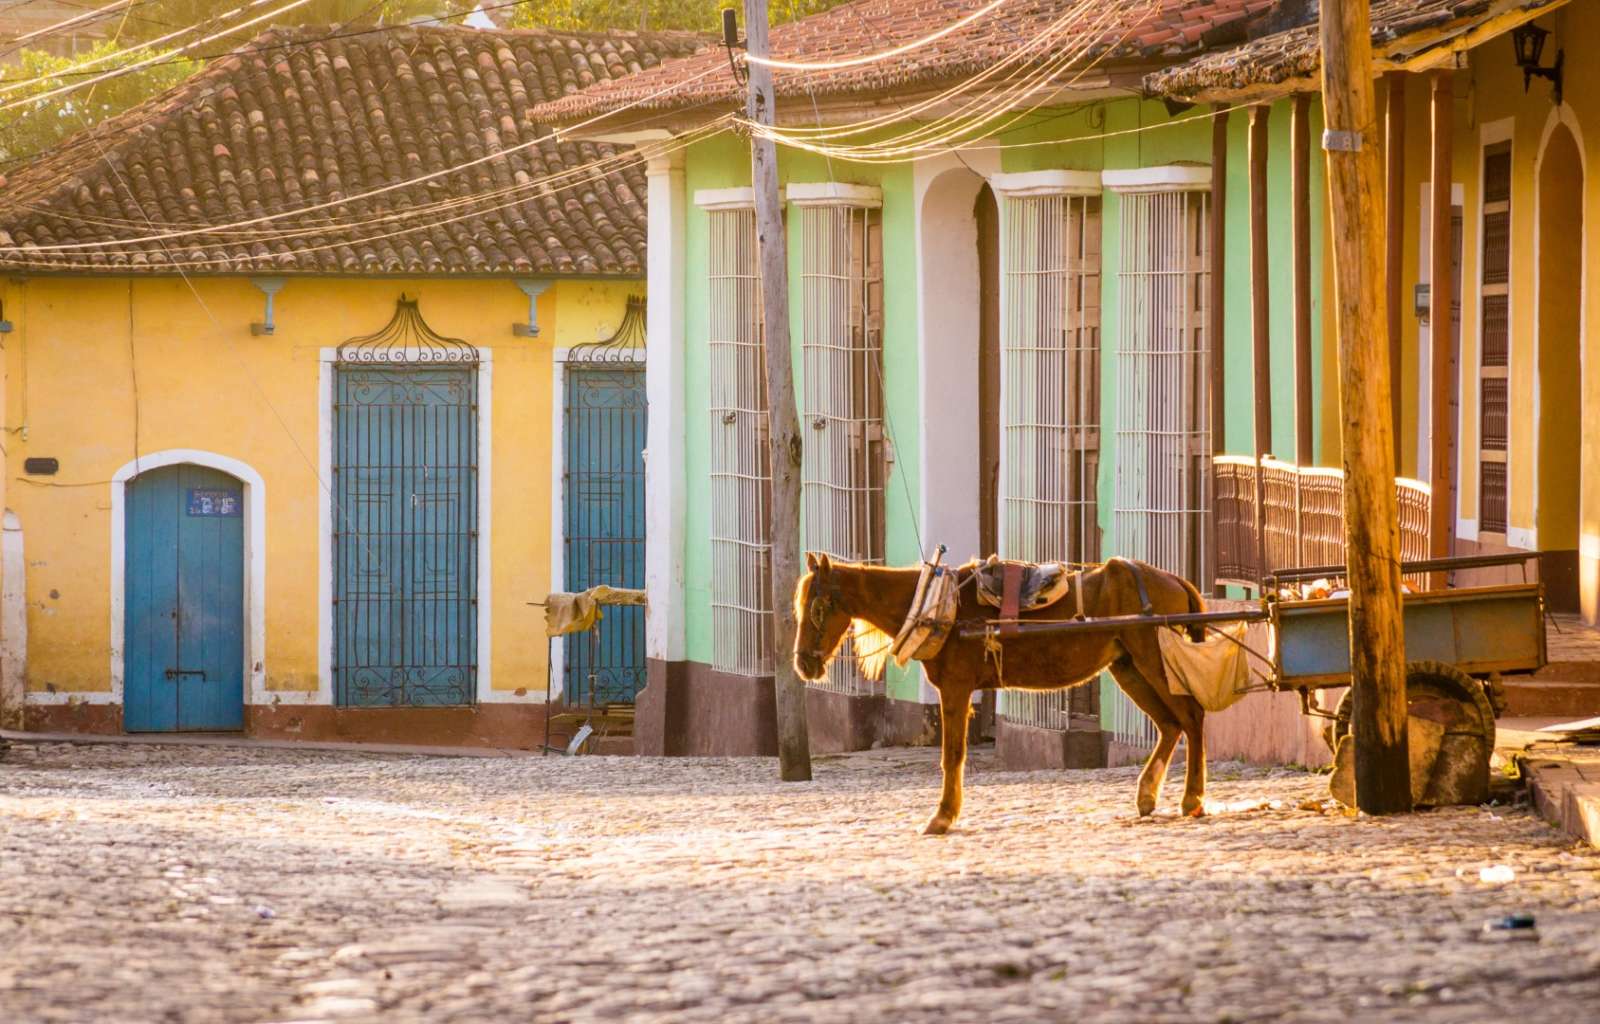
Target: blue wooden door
<point>183,646</point>
<point>604,526</point>
<point>405,536</point>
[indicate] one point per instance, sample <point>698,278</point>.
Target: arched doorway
<point>184,604</point>
<point>958,293</point>
<point>1560,268</point>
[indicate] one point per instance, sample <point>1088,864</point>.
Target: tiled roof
<point>1140,33</point>
<point>304,119</point>
<point>1400,28</point>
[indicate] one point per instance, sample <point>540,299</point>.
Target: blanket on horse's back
<point>1041,584</point>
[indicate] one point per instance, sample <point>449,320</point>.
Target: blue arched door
<point>183,645</point>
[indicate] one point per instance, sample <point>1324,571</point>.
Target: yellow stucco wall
<point>204,382</point>
<point>1494,94</point>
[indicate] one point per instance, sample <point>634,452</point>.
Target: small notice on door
<point>204,502</point>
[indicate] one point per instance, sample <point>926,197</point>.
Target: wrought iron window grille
<point>407,339</point>
<point>626,345</point>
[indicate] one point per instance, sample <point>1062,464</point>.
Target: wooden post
<point>1394,155</point>
<point>1260,322</point>
<point>1441,320</point>
<point>783,422</point>
<point>1300,240</point>
<point>1216,321</point>
<point>1372,529</point>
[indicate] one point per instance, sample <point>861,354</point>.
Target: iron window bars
<point>1050,404</point>
<point>841,325</point>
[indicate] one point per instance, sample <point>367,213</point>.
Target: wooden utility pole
<point>783,422</point>
<point>1216,314</point>
<point>1394,155</point>
<point>1372,529</point>
<point>1260,323</point>
<point>1300,241</point>
<point>1441,329</point>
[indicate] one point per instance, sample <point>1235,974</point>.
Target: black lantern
<point>1528,41</point>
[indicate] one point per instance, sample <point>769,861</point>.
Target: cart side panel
<point>1477,629</point>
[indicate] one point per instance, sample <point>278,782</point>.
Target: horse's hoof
<point>1196,809</point>
<point>938,826</point>
<point>1147,807</point>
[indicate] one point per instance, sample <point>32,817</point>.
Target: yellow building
<point>298,416</point>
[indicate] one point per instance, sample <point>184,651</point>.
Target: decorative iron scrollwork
<point>625,346</point>
<point>407,338</point>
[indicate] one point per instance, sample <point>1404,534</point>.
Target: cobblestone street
<point>142,883</point>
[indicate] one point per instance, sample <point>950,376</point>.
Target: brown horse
<point>836,597</point>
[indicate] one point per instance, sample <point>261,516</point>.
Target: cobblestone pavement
<point>213,884</point>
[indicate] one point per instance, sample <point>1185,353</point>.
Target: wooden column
<point>1215,318</point>
<point>783,422</point>
<point>1441,320</point>
<point>1260,325</point>
<point>1372,530</point>
<point>1300,240</point>
<point>1394,155</point>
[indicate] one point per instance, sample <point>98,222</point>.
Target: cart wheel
<point>1440,693</point>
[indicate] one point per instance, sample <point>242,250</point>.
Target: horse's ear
<point>823,565</point>
<point>811,561</point>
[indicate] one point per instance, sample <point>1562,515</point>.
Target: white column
<point>665,486</point>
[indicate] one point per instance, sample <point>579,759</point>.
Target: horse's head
<point>820,620</point>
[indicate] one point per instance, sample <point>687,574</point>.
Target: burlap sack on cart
<point>1215,671</point>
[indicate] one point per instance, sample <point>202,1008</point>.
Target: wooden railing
<point>1303,521</point>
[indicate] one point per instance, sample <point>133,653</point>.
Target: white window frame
<point>1164,445</point>
<point>1492,135</point>
<point>838,229</point>
<point>1050,351</point>
<point>740,474</point>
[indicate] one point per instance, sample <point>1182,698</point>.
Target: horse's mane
<point>872,648</point>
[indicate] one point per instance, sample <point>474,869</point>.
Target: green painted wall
<point>1114,135</point>
<point>724,162</point>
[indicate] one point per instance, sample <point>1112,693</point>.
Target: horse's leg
<point>1143,694</point>
<point>1190,717</point>
<point>955,707</point>
<point>1194,781</point>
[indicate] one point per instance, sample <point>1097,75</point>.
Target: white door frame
<point>255,572</point>
<point>325,629</point>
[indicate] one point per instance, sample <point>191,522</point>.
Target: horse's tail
<point>1197,603</point>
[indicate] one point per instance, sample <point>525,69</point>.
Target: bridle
<point>823,600</point>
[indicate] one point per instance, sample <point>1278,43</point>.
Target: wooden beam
<point>1300,241</point>
<point>783,422</point>
<point>1441,320</point>
<point>1394,155</point>
<point>1260,319</point>
<point>1372,529</point>
<point>1216,321</point>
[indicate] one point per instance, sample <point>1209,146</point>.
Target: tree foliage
<point>690,15</point>
<point>29,128</point>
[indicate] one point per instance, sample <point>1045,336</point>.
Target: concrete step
<point>1541,697</point>
<point>1570,672</point>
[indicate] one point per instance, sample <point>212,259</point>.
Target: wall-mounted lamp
<point>731,42</point>
<point>1175,107</point>
<point>532,289</point>
<point>1528,41</point>
<point>5,325</point>
<point>271,286</point>
<point>1420,303</point>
